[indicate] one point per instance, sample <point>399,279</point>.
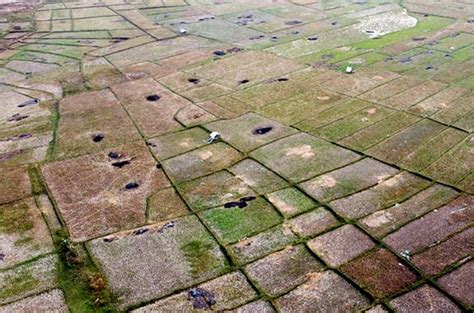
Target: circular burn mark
<point>97,137</point>
<point>153,98</point>
<point>193,80</point>
<point>429,68</point>
<point>283,79</point>
<point>231,204</point>
<point>244,81</point>
<point>131,185</point>
<point>120,164</point>
<point>334,23</point>
<point>262,130</point>
<point>313,38</point>
<point>159,166</point>
<point>219,53</point>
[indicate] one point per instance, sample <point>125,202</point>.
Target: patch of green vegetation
<point>73,52</point>
<point>430,24</point>
<point>35,125</point>
<point>235,223</point>
<point>22,55</point>
<point>339,130</point>
<point>83,286</point>
<point>361,60</point>
<point>347,186</point>
<point>464,54</point>
<point>15,219</point>
<point>332,56</point>
<point>18,283</point>
<point>72,89</point>
<point>37,186</point>
<point>421,161</point>
<point>353,123</point>
<point>466,83</point>
<point>23,241</point>
<point>200,256</point>
<point>291,201</point>
<point>55,116</point>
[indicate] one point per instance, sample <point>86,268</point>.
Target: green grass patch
<point>23,241</point>
<point>466,83</point>
<point>55,116</point>
<point>83,286</point>
<point>15,219</point>
<point>464,54</point>
<point>291,201</point>
<point>199,254</point>
<point>37,186</point>
<point>332,56</point>
<point>233,224</point>
<point>361,60</point>
<point>18,283</point>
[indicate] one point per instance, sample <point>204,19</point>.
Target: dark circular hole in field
<point>153,98</point>
<point>97,137</point>
<point>120,164</point>
<point>131,185</point>
<point>231,204</point>
<point>219,53</point>
<point>262,130</point>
